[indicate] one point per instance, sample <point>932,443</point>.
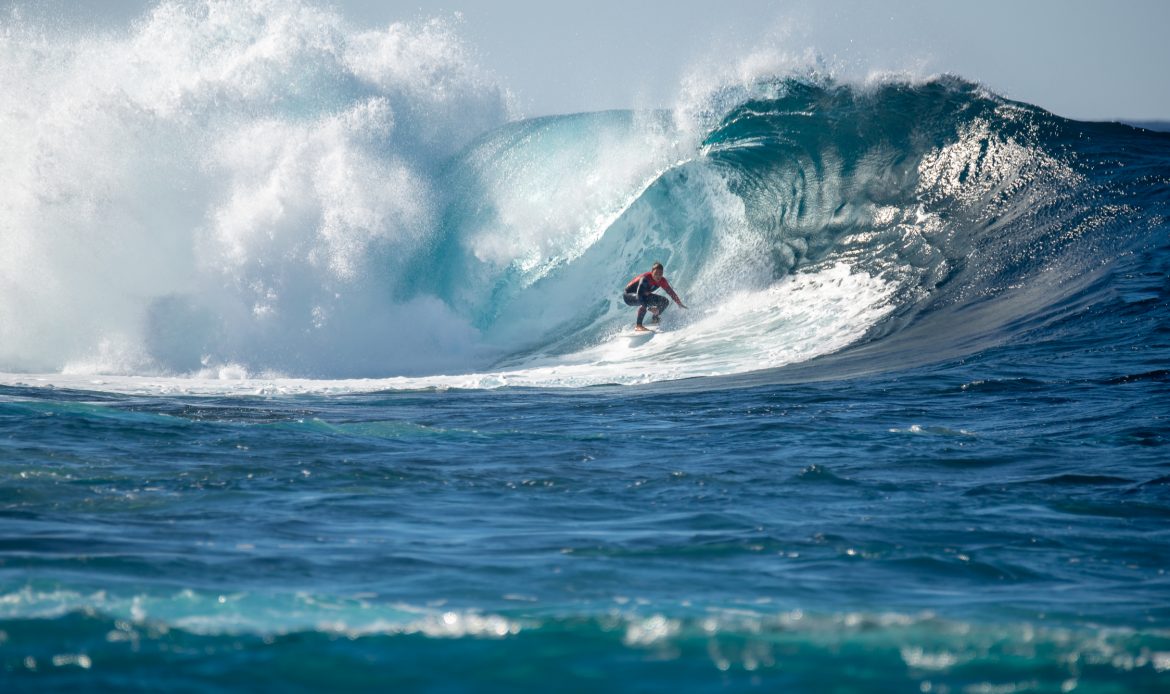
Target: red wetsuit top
<point>645,283</point>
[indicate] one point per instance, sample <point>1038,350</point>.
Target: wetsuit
<point>639,292</point>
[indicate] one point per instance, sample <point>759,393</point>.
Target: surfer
<point>640,293</point>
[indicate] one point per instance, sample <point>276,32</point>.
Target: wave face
<point>276,193</point>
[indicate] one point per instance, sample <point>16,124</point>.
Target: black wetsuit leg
<point>639,300</point>
<point>645,301</point>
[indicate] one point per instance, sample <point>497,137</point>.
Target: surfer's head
<point>656,270</point>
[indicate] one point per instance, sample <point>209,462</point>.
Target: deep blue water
<point>999,520</point>
<point>314,375</point>
<point>931,526</point>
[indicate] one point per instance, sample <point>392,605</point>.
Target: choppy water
<point>315,377</point>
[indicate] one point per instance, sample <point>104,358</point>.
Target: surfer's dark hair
<point>656,266</point>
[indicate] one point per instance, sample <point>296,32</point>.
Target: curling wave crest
<point>256,195</point>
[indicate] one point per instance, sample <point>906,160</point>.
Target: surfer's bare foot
<point>641,329</point>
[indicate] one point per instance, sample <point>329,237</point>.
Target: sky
<point>1084,59</point>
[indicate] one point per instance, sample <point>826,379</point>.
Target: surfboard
<point>636,335</point>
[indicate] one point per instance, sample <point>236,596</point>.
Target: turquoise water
<point>313,377</point>
<point>921,528</point>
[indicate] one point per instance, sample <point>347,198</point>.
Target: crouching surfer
<point>640,293</point>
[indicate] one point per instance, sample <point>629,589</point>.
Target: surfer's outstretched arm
<point>670,290</point>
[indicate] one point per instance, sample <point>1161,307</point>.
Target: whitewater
<point>315,374</point>
<point>189,211</point>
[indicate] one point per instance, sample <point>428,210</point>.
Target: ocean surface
<point>315,376</point>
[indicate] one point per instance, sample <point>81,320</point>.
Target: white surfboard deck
<point>640,334</point>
